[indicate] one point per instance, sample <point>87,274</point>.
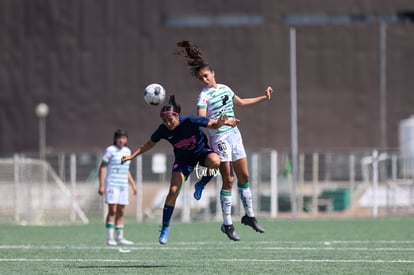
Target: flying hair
<point>171,107</point>
<point>193,56</point>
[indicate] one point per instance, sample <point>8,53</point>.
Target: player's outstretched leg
<point>252,222</point>
<point>246,198</point>
<point>227,226</point>
<point>166,219</point>
<point>199,186</point>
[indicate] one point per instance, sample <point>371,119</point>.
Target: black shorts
<point>186,167</point>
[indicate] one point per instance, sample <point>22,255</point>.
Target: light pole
<point>42,110</point>
<point>294,120</point>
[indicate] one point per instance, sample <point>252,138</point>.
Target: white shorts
<point>116,195</point>
<point>229,146</point>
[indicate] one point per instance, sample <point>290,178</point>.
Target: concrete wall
<point>89,60</point>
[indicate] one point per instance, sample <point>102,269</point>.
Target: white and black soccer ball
<point>154,94</point>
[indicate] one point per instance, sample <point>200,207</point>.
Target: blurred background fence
<point>63,188</point>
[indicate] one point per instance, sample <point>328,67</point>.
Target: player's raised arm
<point>242,102</point>
<point>201,112</point>
<point>144,148</point>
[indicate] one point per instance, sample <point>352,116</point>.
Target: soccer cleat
<point>165,230</point>
<point>252,222</point>
<point>111,242</point>
<point>124,242</point>
<point>198,190</point>
<point>230,232</point>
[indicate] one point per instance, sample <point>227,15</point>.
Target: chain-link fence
<point>63,188</point>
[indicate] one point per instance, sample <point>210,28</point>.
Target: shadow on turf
<point>124,266</point>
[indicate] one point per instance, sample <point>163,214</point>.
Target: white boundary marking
<point>276,245</point>
<point>202,246</point>
<point>213,260</point>
<point>317,260</point>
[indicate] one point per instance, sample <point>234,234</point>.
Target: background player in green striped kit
<point>113,183</point>
<point>215,100</point>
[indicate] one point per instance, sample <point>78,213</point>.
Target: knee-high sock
<point>110,228</point>
<point>205,179</point>
<point>225,198</point>
<point>166,215</point>
<point>246,198</point>
<point>119,232</point>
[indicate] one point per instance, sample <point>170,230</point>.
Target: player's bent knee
<point>216,163</point>
<point>213,161</point>
<point>244,179</point>
<point>173,194</point>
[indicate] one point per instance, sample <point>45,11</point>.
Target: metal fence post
<point>16,187</point>
<point>375,183</point>
<point>254,183</point>
<point>273,184</point>
<point>352,172</point>
<point>301,182</point>
<point>315,182</point>
<point>138,179</point>
<point>72,187</point>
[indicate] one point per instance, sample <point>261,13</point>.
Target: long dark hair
<point>171,107</point>
<point>193,56</point>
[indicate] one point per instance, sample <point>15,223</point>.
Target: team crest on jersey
<point>186,144</point>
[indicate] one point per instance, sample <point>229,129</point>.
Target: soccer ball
<point>154,94</point>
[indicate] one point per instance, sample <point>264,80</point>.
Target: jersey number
<point>222,146</point>
<point>224,99</point>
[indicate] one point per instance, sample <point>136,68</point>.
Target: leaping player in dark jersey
<point>190,147</point>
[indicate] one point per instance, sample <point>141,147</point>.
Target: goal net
<point>31,193</point>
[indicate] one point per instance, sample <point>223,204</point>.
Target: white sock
<point>246,198</point>
<point>119,230</point>
<point>225,198</point>
<point>110,228</point>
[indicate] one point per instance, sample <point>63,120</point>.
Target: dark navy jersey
<point>187,138</point>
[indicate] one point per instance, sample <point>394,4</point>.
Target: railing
<point>63,188</point>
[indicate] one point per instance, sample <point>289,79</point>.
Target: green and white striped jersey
<point>116,173</point>
<point>218,101</point>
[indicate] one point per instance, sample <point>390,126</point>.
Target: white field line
<point>317,260</point>
<point>198,246</point>
<point>213,260</point>
<point>215,243</point>
<point>322,246</point>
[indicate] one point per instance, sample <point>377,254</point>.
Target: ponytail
<point>171,108</point>
<point>193,56</point>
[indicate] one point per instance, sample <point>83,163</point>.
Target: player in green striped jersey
<point>215,100</point>
<point>113,183</point>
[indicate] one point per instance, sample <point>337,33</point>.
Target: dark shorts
<point>185,167</point>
